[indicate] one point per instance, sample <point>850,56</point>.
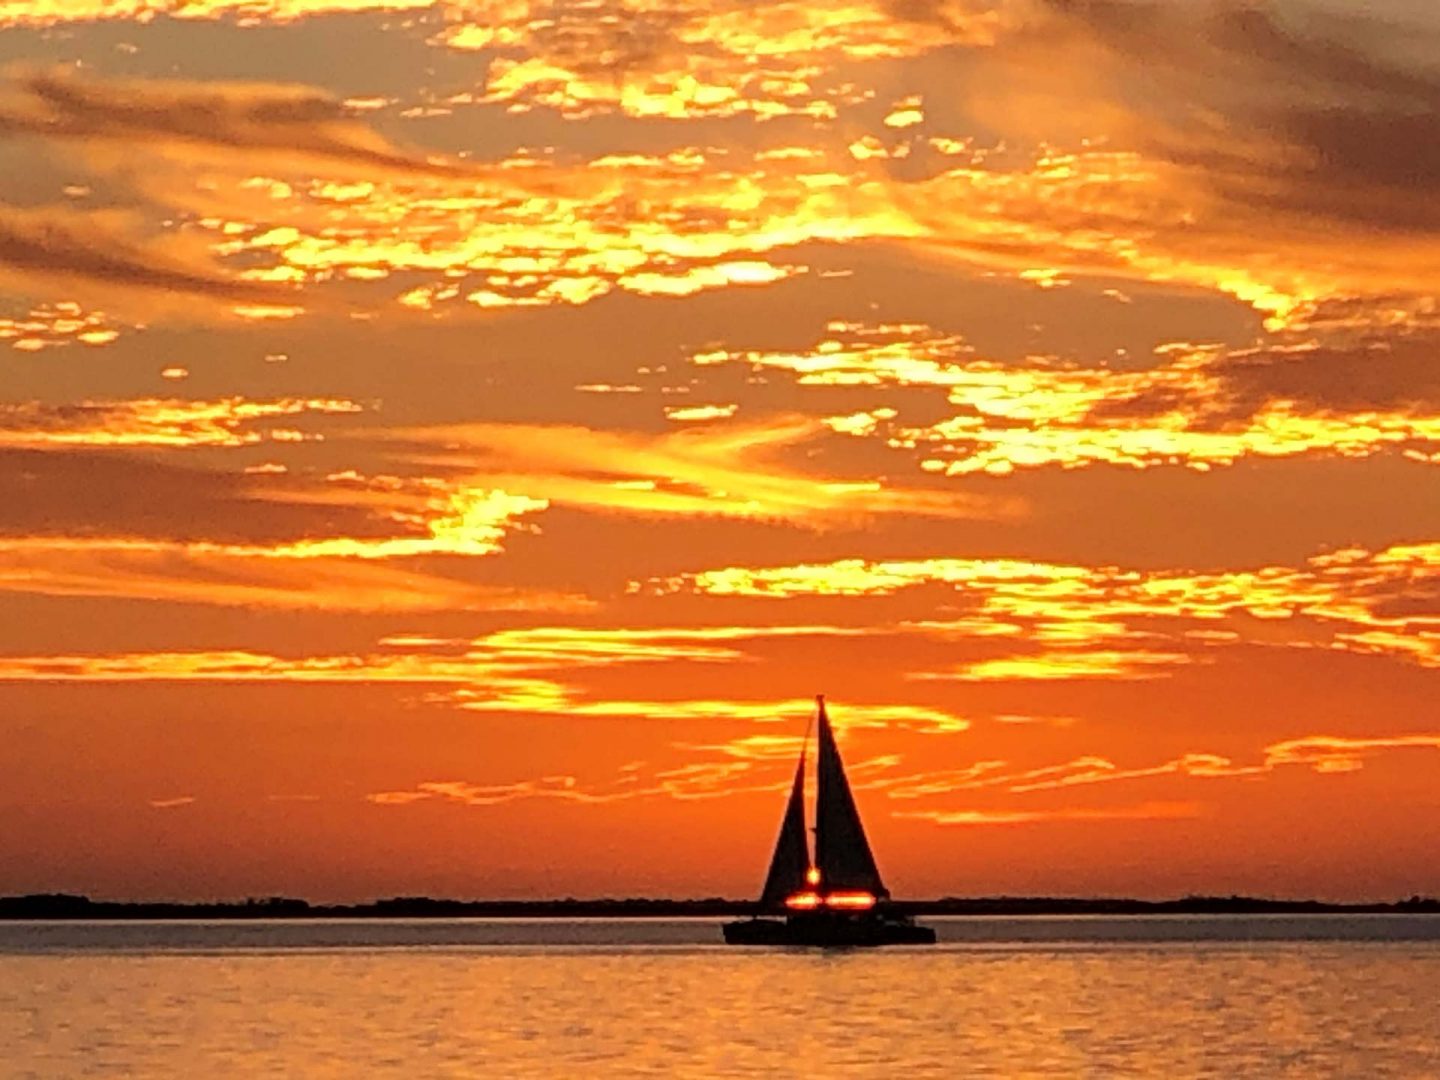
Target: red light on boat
<point>851,901</point>
<point>803,901</point>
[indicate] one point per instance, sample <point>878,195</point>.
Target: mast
<point>791,861</point>
<point>842,853</point>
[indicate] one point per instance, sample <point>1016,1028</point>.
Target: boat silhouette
<point>838,899</point>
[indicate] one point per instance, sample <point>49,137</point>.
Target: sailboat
<point>838,899</point>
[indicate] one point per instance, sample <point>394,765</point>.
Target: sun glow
<point>810,900</point>
<point>850,901</point>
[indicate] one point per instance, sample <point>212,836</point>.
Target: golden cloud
<point>303,577</point>
<point>715,779</point>
<point>1144,192</point>
<point>109,255</point>
<point>197,139</point>
<point>297,123</point>
<point>708,781</point>
<point>539,232</point>
<point>48,326</point>
<point>722,470</point>
<point>535,671</point>
<point>54,12</point>
<point>159,422</point>
<point>1149,811</point>
<point>762,763</point>
<point>1188,410</point>
<point>338,573</point>
<point>1066,621</point>
<point>1324,754</point>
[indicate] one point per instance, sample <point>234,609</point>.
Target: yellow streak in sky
<point>157,422</point>
<point>55,12</point>
<point>1149,811</point>
<point>329,573</point>
<point>1046,413</point>
<point>1099,621</point>
<point>200,573</point>
<point>716,469</point>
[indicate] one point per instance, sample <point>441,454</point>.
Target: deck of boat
<point>828,930</point>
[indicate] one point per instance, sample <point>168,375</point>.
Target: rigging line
<point>805,750</point>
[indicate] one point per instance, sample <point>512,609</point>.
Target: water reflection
<point>454,1006</point>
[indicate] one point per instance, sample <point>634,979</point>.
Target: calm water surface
<point>1329,996</point>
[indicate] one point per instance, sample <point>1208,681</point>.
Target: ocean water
<point>1322,996</point>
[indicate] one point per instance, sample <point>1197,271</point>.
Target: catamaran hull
<point>826,932</point>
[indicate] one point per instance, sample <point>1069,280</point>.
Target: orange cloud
<point>724,470</point>
<point>56,325</point>
<point>1185,411</point>
<point>762,763</point>
<point>535,232</point>
<point>158,422</point>
<point>694,58</point>
<point>532,671</point>
<point>540,231</point>
<point>1147,192</point>
<point>211,574</point>
<point>104,254</point>
<point>198,140</point>
<point>333,573</point>
<point>1079,664</point>
<point>54,12</point>
<point>707,781</point>
<point>694,220</point>
<point>544,696</point>
<point>172,803</point>
<point>1332,754</point>
<point>1324,754</point>
<point>1068,621</point>
<point>1149,811</point>
<point>258,119</point>
<point>686,414</point>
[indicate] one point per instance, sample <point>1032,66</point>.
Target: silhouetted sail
<point>792,853</point>
<point>842,853</point>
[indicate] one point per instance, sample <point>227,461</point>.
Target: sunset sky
<point>445,444</point>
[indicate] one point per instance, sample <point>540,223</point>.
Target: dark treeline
<point>62,906</point>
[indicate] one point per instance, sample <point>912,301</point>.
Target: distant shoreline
<point>61,906</point>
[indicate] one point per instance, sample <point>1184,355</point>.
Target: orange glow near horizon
<point>810,900</point>
<point>445,446</point>
<point>850,901</point>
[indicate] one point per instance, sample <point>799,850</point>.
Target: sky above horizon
<point>445,444</point>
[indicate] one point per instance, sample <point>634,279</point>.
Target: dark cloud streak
<point>83,493</point>
<point>1279,111</point>
<point>64,244</point>
<point>290,120</point>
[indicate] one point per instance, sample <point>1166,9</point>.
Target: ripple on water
<point>1112,1005</point>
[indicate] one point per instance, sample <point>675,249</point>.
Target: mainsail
<point>791,860</point>
<point>842,854</point>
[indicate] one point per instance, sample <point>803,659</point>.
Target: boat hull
<point>828,931</point>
